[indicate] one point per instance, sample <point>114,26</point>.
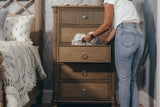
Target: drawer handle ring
<point>84,91</point>
<point>84,17</point>
<point>84,55</point>
<point>84,73</point>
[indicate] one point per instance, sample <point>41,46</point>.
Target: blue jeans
<point>129,45</point>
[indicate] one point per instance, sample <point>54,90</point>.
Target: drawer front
<point>67,34</point>
<point>85,54</point>
<point>86,71</point>
<point>82,17</point>
<point>85,90</point>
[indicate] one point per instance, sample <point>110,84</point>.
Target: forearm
<point>108,19</point>
<point>101,30</point>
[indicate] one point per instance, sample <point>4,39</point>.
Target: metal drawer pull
<point>84,55</point>
<point>84,73</point>
<point>84,17</point>
<point>84,91</point>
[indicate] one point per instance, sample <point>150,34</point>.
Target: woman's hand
<point>87,38</point>
<point>110,37</point>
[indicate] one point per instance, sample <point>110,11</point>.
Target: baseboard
<point>146,100</point>
<point>47,96</point>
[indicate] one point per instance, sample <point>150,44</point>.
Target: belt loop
<point>122,25</point>
<point>134,25</point>
<point>122,28</point>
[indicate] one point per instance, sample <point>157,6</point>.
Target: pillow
<point>17,28</point>
<point>3,15</point>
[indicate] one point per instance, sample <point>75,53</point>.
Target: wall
<point>147,10</point>
<point>158,57</point>
<point>150,51</point>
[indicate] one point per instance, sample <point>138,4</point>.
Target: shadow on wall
<point>48,42</point>
<point>48,62</point>
<point>148,61</point>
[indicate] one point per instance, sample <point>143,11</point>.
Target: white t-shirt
<point>124,11</point>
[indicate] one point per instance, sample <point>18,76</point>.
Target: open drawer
<point>85,71</point>
<point>68,33</point>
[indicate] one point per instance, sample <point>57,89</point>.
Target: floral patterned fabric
<point>22,64</point>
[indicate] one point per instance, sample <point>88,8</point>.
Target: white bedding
<point>22,65</point>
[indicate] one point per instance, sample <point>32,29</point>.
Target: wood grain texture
<point>85,71</point>
<point>36,30</point>
<point>76,78</point>
<point>84,54</point>
<point>82,17</point>
<point>85,91</point>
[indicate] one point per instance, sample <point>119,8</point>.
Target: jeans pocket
<point>128,39</point>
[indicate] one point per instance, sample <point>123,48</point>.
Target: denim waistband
<point>128,25</point>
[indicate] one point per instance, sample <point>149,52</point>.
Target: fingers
<point>87,38</point>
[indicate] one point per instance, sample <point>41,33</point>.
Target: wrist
<point>92,36</point>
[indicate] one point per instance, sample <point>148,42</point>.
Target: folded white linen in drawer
<point>78,40</point>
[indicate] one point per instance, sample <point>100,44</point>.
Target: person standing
<point>129,46</point>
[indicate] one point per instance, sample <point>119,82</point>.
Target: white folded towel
<point>78,40</point>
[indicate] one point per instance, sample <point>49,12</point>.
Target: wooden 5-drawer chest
<point>82,73</point>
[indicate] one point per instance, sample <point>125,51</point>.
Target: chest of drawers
<point>82,74</point>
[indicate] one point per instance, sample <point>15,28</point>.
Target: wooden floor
<point>77,105</point>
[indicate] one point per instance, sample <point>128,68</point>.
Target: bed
<point>22,8</point>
